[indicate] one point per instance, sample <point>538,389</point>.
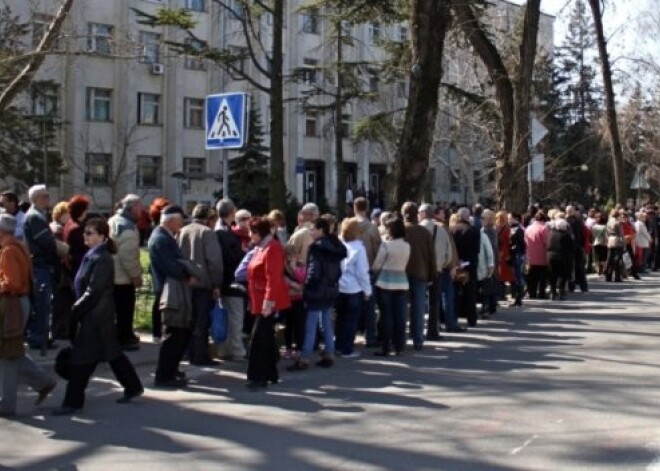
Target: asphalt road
<point>552,386</point>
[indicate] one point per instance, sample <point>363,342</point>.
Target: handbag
<point>219,323</point>
<point>627,261</point>
<point>462,276</point>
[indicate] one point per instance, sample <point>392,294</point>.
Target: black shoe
<point>382,354</point>
<point>434,337</point>
<point>553,297</point>
<point>209,362</point>
<point>373,345</point>
<point>64,410</point>
<point>171,384</point>
<point>180,375</point>
<point>256,385</point>
<point>130,347</point>
<point>457,329</point>
<point>298,366</point>
<point>50,346</point>
<point>418,347</point>
<point>325,362</point>
<point>44,392</point>
<point>128,397</point>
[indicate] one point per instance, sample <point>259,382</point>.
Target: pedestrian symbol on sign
<point>224,126</point>
<point>226,120</point>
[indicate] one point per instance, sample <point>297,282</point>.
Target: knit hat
<point>7,223</point>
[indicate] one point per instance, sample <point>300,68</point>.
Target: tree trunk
<point>339,131</point>
<point>429,21</point>
<point>277,182</point>
<point>22,80</point>
<point>615,140</point>
<point>489,55</point>
<point>517,189</point>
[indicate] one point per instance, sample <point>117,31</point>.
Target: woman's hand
<point>267,308</point>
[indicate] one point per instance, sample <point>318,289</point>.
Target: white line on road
<point>515,451</point>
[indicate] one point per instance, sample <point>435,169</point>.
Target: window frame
<point>311,117</point>
<point>190,5</point>
<point>94,38</point>
<point>150,43</point>
<point>197,160</point>
<point>91,100</point>
<point>141,109</point>
<point>102,160</point>
<point>43,97</point>
<point>311,21</point>
<point>156,165</point>
<point>191,104</point>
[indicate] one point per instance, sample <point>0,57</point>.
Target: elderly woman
<point>642,242</point>
<point>615,247</point>
<point>60,217</point>
<point>74,228</point>
<point>157,206</point>
<point>242,229</point>
<point>94,339</point>
<point>504,270</point>
<point>15,287</point>
<point>268,295</point>
<point>559,255</point>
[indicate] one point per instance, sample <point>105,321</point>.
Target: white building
<point>132,113</point>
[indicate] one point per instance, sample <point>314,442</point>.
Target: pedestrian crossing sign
<point>226,121</point>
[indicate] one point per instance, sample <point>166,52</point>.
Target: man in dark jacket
<point>320,292</point>
<point>166,257</point>
<point>575,221</point>
<point>233,298</point>
<point>421,270</point>
<point>468,244</point>
<point>41,242</point>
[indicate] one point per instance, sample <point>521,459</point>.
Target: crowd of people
<point>66,275</point>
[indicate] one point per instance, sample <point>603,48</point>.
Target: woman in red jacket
<point>505,271</point>
<point>268,295</point>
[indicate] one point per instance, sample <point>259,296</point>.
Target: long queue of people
<point>75,278</point>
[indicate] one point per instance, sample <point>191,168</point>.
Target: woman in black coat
<point>560,256</point>
<point>93,332</point>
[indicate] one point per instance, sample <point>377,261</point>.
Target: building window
<point>454,182</point>
<point>346,126</point>
<point>97,168</point>
<point>310,71</point>
<point>374,32</point>
<point>99,104</point>
<point>99,38</point>
<point>403,34</point>
<point>194,113</point>
<point>194,5</point>
<point>311,124</point>
<point>236,9</point>
<point>193,61</point>
<point>148,171</point>
<point>148,108</point>
<point>150,43</point>
<point>45,99</point>
<point>374,81</point>
<point>240,58</point>
<point>194,166</point>
<point>311,21</point>
<point>402,90</point>
<point>40,24</point>
<point>48,173</point>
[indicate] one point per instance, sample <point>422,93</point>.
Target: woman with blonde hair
<point>504,270</point>
<point>278,225</point>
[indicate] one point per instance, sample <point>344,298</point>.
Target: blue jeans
<point>518,270</point>
<point>39,324</point>
<point>349,307</point>
<point>447,299</point>
<point>392,304</point>
<point>313,318</point>
<point>417,307</point>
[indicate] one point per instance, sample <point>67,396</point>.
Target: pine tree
<point>248,182</point>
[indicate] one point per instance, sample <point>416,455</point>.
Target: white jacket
<point>642,238</point>
<point>486,258</point>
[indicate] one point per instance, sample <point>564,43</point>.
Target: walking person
<point>128,270</point>
<point>233,295</point>
<point>642,243</point>
<point>599,236</point>
<point>155,210</point>
<point>94,339</point>
<point>354,288</point>
<point>516,259</point>
<point>615,247</point>
<point>268,296</point>
<point>629,234</point>
<point>41,244</point>
<point>468,242</point>
<point>392,286</point>
<point>15,287</point>
<point>575,221</point>
<point>504,270</point>
<point>491,285</point>
<point>168,265</point>
<point>320,293</point>
<point>200,244</point>
<point>536,242</point>
<point>421,270</point>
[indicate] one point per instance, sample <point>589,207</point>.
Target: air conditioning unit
<point>157,69</point>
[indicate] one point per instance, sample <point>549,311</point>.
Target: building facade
<point>131,110</point>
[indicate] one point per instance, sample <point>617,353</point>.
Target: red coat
<point>505,270</point>
<point>266,278</point>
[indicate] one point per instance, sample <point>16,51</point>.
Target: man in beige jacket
<point>128,271</point>
<point>302,237</point>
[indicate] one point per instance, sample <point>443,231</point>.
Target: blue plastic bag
<point>219,323</point>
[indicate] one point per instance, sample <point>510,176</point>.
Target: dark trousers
<point>537,280</point>
<point>349,308</point>
<point>633,269</point>
<point>262,362</point>
<point>202,303</point>
<point>392,305</point>
<point>80,374</point>
<point>294,322</point>
<point>613,265</point>
<point>156,318</point>
<point>466,299</point>
<point>63,299</point>
<point>171,352</point>
<point>580,271</point>
<point>560,269</point>
<point>125,308</point>
<point>435,307</point>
